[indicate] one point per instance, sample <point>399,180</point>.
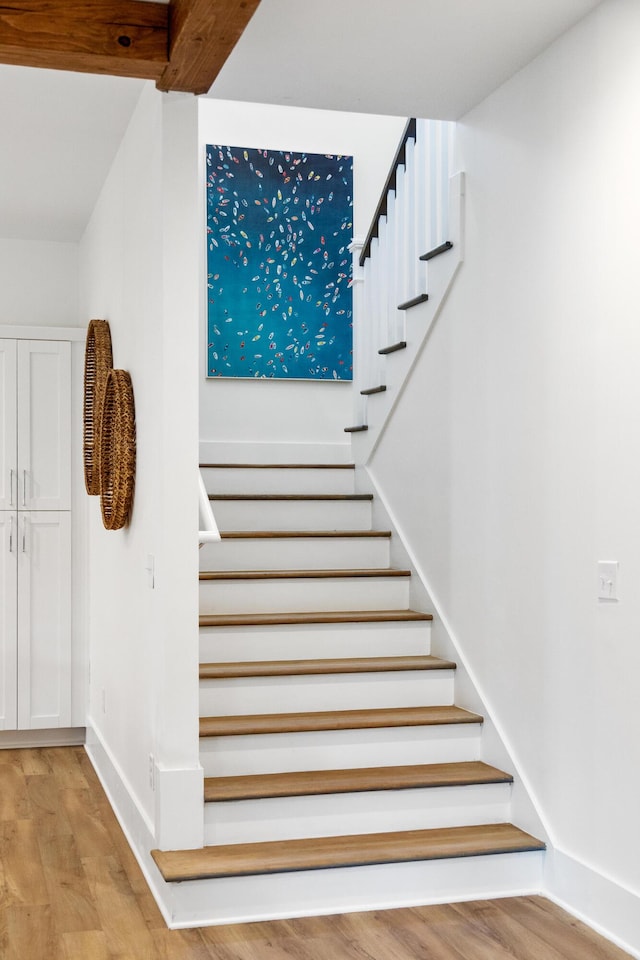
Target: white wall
<point>520,438</point>
<point>143,641</point>
<point>38,283</point>
<point>242,411</point>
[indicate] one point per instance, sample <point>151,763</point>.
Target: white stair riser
<point>288,818</point>
<point>277,480</point>
<point>298,596</point>
<point>321,553</point>
<point>339,749</point>
<point>292,514</point>
<point>322,892</point>
<point>294,642</point>
<point>327,692</point>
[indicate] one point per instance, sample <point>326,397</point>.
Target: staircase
<point>339,773</point>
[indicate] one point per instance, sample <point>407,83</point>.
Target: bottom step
<point>319,853</point>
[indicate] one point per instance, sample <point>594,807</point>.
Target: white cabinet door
<point>8,435</point>
<point>44,620</point>
<point>8,620</point>
<point>44,417</point>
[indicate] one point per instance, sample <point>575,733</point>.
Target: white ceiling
<point>424,58</point>
<point>60,133</point>
<point>438,58</point>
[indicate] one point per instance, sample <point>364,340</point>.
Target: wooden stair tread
<point>277,466</point>
<point>244,859</point>
<point>305,497</point>
<point>335,616</point>
<point>436,251</point>
<point>357,573</point>
<point>318,782</point>
<point>234,726</point>
<point>414,301</point>
<point>300,534</point>
<point>296,668</point>
<point>392,348</point>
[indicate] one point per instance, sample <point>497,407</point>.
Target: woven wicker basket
<point>117,450</point>
<point>98,360</point>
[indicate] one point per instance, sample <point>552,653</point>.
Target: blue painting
<point>279,292</point>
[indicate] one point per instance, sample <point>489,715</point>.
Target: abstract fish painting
<point>279,296</point>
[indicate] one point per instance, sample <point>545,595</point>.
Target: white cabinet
<point>35,534</point>
<point>8,621</point>
<point>35,439</point>
<point>8,424</point>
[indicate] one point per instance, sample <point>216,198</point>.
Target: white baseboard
<point>597,900</point>
<point>54,737</point>
<point>497,749</point>
<point>134,822</point>
<point>213,451</point>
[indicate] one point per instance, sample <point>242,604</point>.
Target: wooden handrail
<point>390,184</point>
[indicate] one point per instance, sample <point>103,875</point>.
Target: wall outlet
<point>152,771</point>
<point>150,567</point>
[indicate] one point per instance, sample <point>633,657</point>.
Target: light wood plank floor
<point>70,889</point>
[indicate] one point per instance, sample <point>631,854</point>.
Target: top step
<point>291,478</point>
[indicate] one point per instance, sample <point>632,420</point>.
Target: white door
<point>8,436</point>
<point>8,619</point>
<point>44,619</point>
<point>44,417</point>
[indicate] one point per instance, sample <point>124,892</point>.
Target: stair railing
<point>409,227</point>
<point>208,531</point>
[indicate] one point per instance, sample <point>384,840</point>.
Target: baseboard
<point>52,737</point>
<point>597,900</point>
<point>213,451</point>
<point>497,748</point>
<point>134,822</point>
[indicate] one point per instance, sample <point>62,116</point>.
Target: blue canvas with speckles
<point>279,269</point>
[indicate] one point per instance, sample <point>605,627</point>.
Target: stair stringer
<point>526,810</point>
<point>375,411</point>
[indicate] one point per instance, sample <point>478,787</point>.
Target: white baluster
<point>410,255</point>
<point>420,218</point>
<point>392,265</point>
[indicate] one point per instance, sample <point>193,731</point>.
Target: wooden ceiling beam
<point>202,34</point>
<point>181,45</point>
<point>128,38</point>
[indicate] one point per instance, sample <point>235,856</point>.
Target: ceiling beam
<point>128,38</point>
<point>181,45</point>
<point>202,35</point>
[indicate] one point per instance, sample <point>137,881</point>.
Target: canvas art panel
<point>279,225</point>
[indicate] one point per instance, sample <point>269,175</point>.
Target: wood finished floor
<point>70,889</point>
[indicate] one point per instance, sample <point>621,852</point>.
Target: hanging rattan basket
<point>98,360</point>
<point>117,450</point>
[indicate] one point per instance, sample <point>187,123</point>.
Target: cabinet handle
<point>10,534</point>
<point>24,488</point>
<point>11,472</point>
<point>24,534</point>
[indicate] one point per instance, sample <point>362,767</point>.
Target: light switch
<point>608,580</point>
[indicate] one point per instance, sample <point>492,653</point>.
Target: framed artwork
<point>279,292</point>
